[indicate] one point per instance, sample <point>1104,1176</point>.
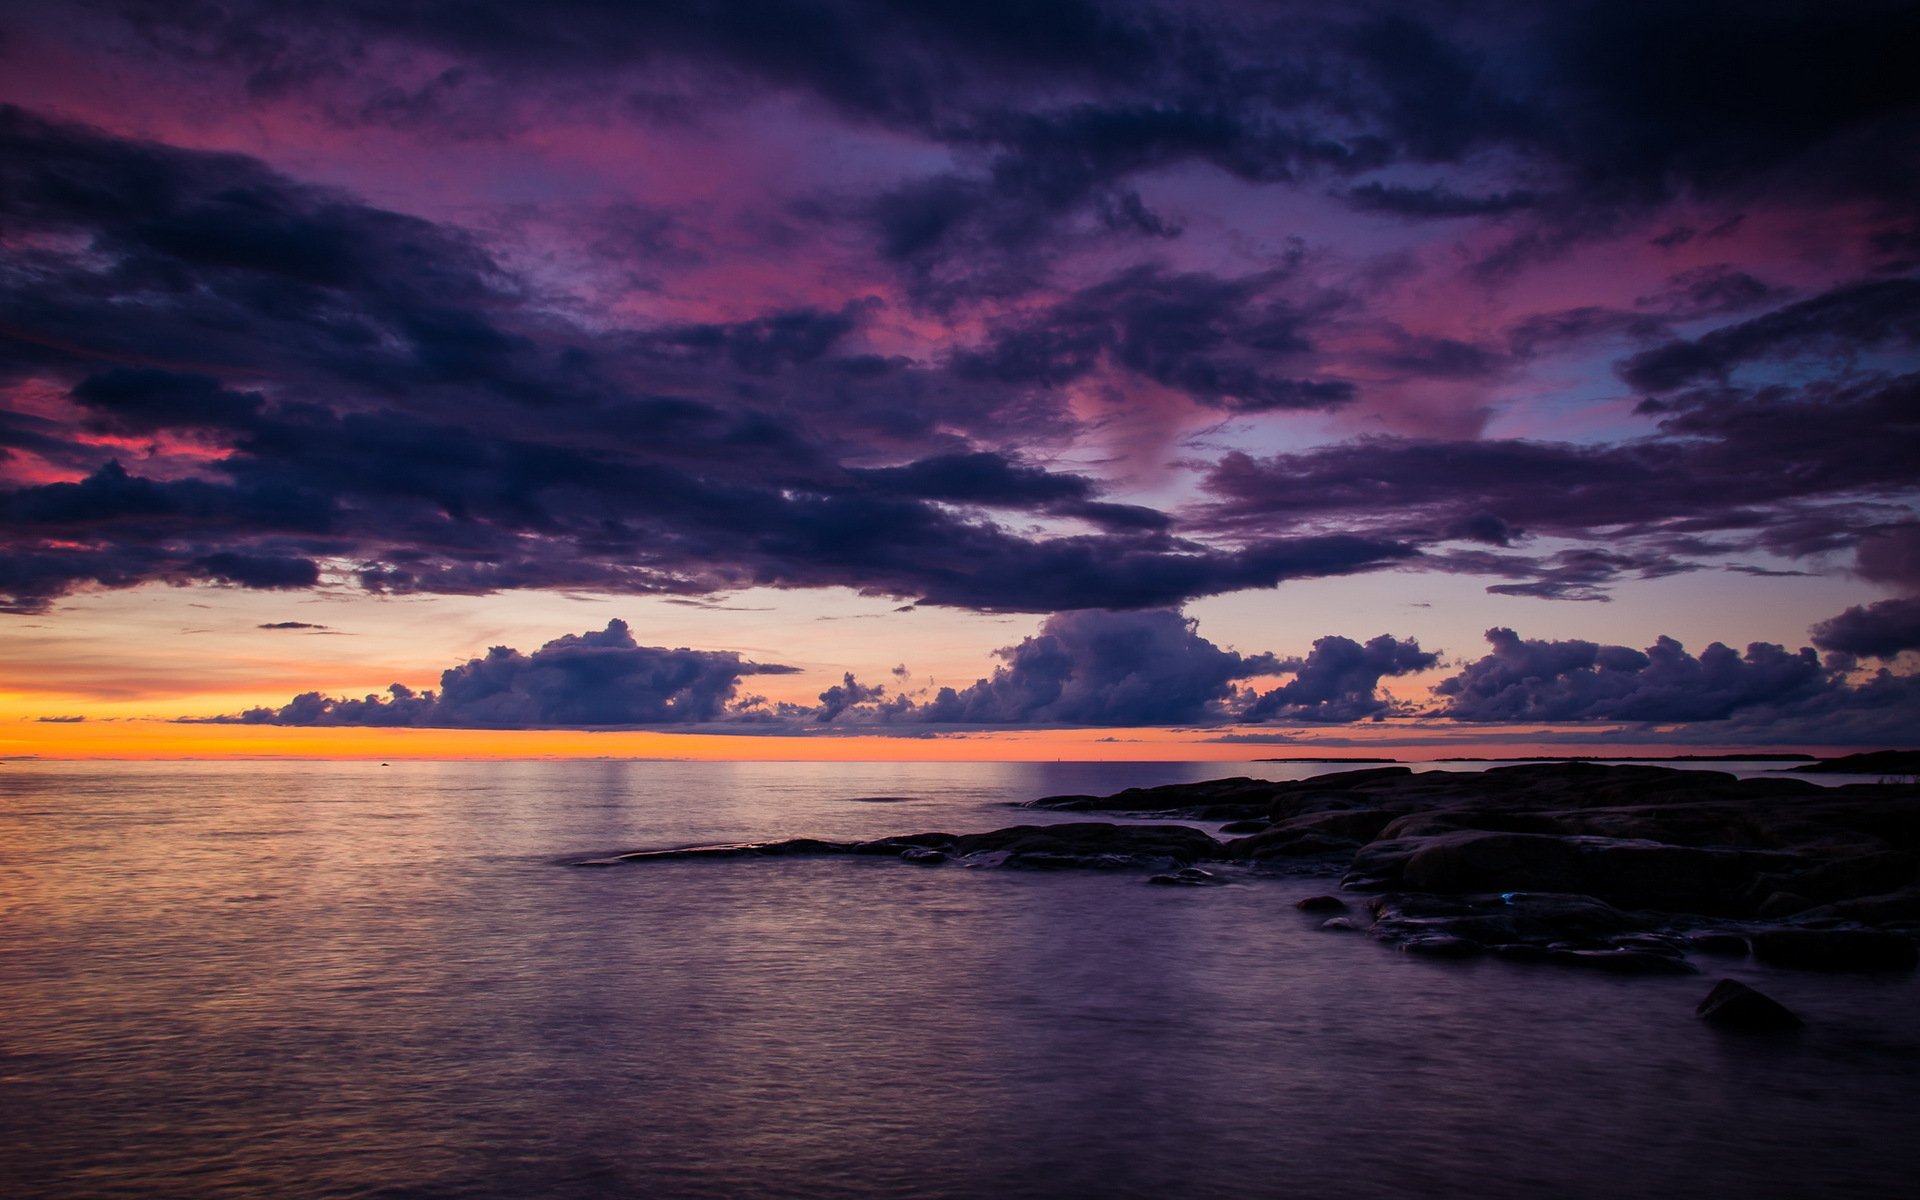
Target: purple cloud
<point>588,680</point>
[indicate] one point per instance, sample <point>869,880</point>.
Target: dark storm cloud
<point>1713,93</point>
<point>1880,630</point>
<point>1558,681</point>
<point>1766,695</point>
<point>146,400</point>
<point>1124,669</point>
<point>1092,667</point>
<point>1227,343</point>
<point>1435,201</point>
<point>1339,681</point>
<point>1793,470</point>
<point>1053,110</point>
<point>584,680</point>
<point>1847,320</point>
<point>426,429</point>
<point>1891,554</point>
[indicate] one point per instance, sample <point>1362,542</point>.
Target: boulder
<point>1321,904</point>
<point>1733,1005</point>
<point>1494,862</point>
<point>1188,877</point>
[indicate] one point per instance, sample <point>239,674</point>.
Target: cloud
<point>290,625</point>
<point>1767,686</point>
<point>1789,470</point>
<point>1339,681</point>
<point>1845,320</point>
<point>1093,667</point>
<point>428,425</point>
<point>587,680</point>
<point>1880,630</point>
<point>1225,343</point>
<point>1103,668</point>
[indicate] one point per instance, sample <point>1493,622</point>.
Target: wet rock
<point>791,847</point>
<point>1252,825</point>
<point>923,856</point>
<point>1836,949</point>
<point>1733,1005</point>
<point>1188,877</point>
<point>1622,962</point>
<point>1442,945</point>
<point>1321,904</point>
<point>1718,942</point>
<point>1340,923</point>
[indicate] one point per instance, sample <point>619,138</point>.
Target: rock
<point>923,856</point>
<point>1876,762</point>
<point>1339,923</point>
<point>1782,904</point>
<point>1733,1005</point>
<point>1623,962</point>
<point>1719,942</point>
<point>1493,862</point>
<point>1836,949</point>
<point>1442,946</point>
<point>790,847</point>
<point>1251,825</point>
<point>1321,904</point>
<point>1188,877</point>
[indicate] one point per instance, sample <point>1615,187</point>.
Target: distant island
<point>1643,758</point>
<point>1876,762</point>
<point>1341,761</point>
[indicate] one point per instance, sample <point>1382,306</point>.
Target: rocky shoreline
<point>1623,868</point>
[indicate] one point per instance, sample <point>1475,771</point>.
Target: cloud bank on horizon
<point>1085,310</point>
<point>1094,668</point>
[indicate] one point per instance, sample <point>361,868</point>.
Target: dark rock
<point>1623,962</point>
<point>923,856</point>
<point>1188,877</point>
<point>1443,945</point>
<point>1251,825</point>
<point>1900,906</point>
<point>1492,862</point>
<point>1733,1005</point>
<point>790,847</point>
<point>1875,762</point>
<point>1321,904</point>
<point>1836,949</point>
<point>1651,943</point>
<point>1782,904</point>
<point>1339,923</point>
<point>1719,942</point>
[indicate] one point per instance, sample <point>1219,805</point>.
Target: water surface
<point>315,979</point>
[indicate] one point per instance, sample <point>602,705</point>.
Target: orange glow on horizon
<point>139,739</point>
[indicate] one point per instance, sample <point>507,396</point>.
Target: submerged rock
<point>1083,844</point>
<point>1188,877</point>
<point>1733,1005</point>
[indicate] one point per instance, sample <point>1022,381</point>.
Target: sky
<point>865,379</point>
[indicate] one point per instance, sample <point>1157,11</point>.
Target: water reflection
<point>322,980</point>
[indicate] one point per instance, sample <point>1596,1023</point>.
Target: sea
<point>324,979</point>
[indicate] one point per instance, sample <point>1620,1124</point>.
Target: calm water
<point>314,980</point>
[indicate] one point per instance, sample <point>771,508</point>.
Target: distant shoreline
<point>1619,758</point>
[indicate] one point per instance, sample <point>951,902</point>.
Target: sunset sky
<point>843,378</point>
